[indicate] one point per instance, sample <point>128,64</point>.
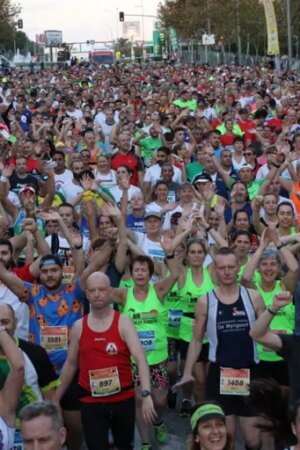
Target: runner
<point>226,314</point>
<point>144,304</point>
<point>53,309</point>
<point>105,370</point>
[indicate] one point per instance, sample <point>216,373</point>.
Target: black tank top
<point>228,329</point>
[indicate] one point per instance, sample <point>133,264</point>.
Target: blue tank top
<point>228,329</point>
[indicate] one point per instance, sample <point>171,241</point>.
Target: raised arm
<point>11,391</point>
<point>73,238</point>
<point>248,274</point>
<point>120,258</point>
<point>40,242</point>
<point>164,286</point>
<point>50,184</point>
<point>260,331</point>
<point>124,184</point>
<point>12,282</point>
<point>9,207</point>
<point>290,279</point>
<point>224,175</point>
<point>99,259</point>
<point>220,241</point>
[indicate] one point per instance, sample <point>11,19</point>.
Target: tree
<point>192,18</point>
<point>122,44</point>
<point>8,14</point>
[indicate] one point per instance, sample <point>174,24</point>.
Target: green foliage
<point>192,18</point>
<point>123,45</point>
<point>8,14</point>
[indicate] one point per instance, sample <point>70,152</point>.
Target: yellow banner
<point>272,32</point>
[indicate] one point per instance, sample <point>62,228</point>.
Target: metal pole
<point>15,45</point>
<point>143,24</point>
<point>238,29</point>
<point>289,29</point>
<point>117,22</point>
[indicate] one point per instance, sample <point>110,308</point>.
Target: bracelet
<point>170,256</point>
<point>279,247</point>
<point>207,229</point>
<point>276,165</point>
<point>3,179</point>
<point>271,312</point>
<point>78,247</point>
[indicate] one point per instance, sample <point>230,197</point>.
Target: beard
<point>77,176</point>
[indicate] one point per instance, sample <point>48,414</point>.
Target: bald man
<point>102,344</point>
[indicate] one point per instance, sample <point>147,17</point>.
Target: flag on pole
<point>272,31</point>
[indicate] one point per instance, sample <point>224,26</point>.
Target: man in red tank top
<point>101,346</point>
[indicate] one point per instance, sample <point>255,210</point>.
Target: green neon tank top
<point>149,319</point>
<point>282,323</point>
<point>173,305</point>
<point>189,295</point>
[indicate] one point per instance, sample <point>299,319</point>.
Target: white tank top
<point>6,436</point>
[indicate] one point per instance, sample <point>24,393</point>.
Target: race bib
<point>54,338</point>
<point>234,381</point>
<point>68,274</point>
<point>104,382</point>
<point>174,318</point>
<point>171,196</point>
<point>148,340</point>
<point>18,441</point>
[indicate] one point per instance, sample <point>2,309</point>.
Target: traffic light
<point>121,16</point>
<point>20,24</point>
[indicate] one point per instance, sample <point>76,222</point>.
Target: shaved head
<point>98,291</point>
<point>98,278</point>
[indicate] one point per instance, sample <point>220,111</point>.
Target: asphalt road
<point>178,429</point>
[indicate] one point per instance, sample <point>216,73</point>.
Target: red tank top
<point>104,363</point>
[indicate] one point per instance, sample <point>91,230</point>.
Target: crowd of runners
<point>149,255</point>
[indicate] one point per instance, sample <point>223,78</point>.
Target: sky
<point>82,20</point>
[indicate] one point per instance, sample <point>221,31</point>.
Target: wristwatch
<point>145,393</point>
